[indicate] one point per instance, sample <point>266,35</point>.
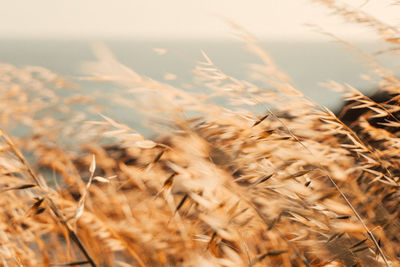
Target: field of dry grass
<point>292,186</point>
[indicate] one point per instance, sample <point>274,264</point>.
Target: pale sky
<point>180,19</point>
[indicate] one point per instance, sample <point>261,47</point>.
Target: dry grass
<point>293,186</point>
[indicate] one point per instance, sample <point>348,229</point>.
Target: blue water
<point>308,63</point>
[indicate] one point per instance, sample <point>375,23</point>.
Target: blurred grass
<point>291,185</point>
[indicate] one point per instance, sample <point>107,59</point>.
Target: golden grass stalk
<point>291,185</point>
<point>43,192</point>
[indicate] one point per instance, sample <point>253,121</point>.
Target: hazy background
<point>179,19</point>
<point>57,35</point>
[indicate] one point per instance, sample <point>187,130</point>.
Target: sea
<point>309,64</point>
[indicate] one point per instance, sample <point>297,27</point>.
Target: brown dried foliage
<point>294,186</point>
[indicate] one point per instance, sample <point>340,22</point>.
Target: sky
<point>182,19</point>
